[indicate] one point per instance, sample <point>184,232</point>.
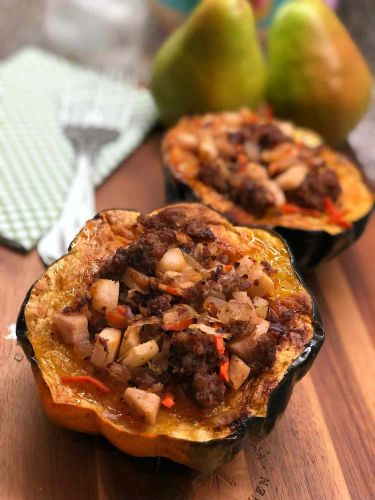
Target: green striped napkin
<point>36,160</point>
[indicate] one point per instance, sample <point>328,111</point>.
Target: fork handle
<point>80,202</point>
<point>79,206</point>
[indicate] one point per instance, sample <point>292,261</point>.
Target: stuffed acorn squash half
<point>255,170</point>
<point>173,334</point>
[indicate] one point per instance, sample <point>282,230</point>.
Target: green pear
<point>316,77</point>
<point>212,62</point>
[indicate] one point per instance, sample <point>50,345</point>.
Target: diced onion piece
<point>73,327</point>
<point>261,307</point>
<point>170,317</point>
<point>172,260</point>
<point>204,328</point>
<point>238,371</point>
<point>186,284</point>
<point>235,311</point>
<point>261,327</point>
<point>192,262</point>
<point>119,372</point>
<point>104,294</point>
<point>136,280</point>
<point>277,193</point>
<point>132,338</point>
<point>181,314</point>
<point>141,354</point>
<point>186,312</point>
<point>243,298</point>
<point>160,361</point>
<point>170,275</point>
<point>142,404</point>
<point>211,299</point>
<point>105,347</point>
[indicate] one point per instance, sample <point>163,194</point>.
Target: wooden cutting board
<point>321,449</point>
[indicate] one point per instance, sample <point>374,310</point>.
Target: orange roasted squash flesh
<point>201,439</point>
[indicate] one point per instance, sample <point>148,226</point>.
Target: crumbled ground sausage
<point>194,360</point>
<point>146,252</point>
<point>241,327</point>
<point>197,294</point>
<point>207,389</point>
<point>159,304</point>
<point>286,315</point>
<point>143,254</point>
<point>319,183</point>
<point>252,196</point>
<point>175,219</point>
<point>192,356</point>
<point>247,192</point>
<point>263,354</point>
<point>231,282</point>
<point>267,135</point>
<point>147,382</point>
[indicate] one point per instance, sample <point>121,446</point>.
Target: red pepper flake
<point>290,208</point>
<point>168,400</point>
<point>169,289</point>
<point>179,325</point>
<point>224,370</point>
<point>219,345</point>
<point>242,159</point>
<point>86,379</point>
<point>335,216</point>
<point>227,267</point>
<point>122,310</point>
<point>118,317</point>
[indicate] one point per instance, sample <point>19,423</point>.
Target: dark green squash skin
<point>309,248</point>
<point>209,455</point>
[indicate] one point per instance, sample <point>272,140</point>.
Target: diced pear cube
<point>106,346</point>
<point>172,260</point>
<point>131,339</point>
<point>73,327</point>
<point>261,307</point>
<point>261,283</point>
<point>238,371</point>
<point>105,294</point>
<point>142,404</point>
<point>140,354</point>
<point>261,327</point>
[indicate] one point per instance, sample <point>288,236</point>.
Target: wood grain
<point>321,449</point>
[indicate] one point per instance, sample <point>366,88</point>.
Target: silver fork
<point>91,116</point>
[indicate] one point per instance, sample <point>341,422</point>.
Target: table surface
<point>321,448</point>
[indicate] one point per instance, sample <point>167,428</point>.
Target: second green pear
<point>317,77</point>
<point>213,62</point>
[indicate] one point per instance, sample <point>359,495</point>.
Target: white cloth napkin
<point>36,159</point>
